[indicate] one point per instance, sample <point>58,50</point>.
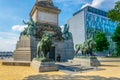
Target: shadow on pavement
<point>68,77</point>
<point>109,65</point>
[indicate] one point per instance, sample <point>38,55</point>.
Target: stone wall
<point>65,49</point>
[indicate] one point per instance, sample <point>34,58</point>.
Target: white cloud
<point>7,44</point>
<point>7,34</point>
<point>0,37</point>
<point>18,27</point>
<point>107,4</point>
<point>87,4</point>
<point>102,4</point>
<point>8,41</point>
<point>69,5</point>
<point>97,3</point>
<point>62,28</point>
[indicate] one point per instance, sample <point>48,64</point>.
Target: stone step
<point>16,63</point>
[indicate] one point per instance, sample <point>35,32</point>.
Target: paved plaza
<point>109,70</point>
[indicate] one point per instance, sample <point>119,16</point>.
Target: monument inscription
<point>47,17</point>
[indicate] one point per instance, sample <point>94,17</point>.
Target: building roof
<point>93,10</point>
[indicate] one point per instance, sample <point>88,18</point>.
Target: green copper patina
<point>66,34</point>
<point>44,46</point>
<point>31,29</point>
<point>86,47</point>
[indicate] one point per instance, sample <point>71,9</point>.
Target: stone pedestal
<point>16,63</point>
<point>43,66</point>
<point>25,49</point>
<point>86,62</point>
<point>69,49</point>
<point>64,49</point>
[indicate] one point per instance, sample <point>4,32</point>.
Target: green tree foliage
<point>116,39</point>
<point>101,42</point>
<point>114,14</point>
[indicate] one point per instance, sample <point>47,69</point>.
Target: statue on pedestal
<point>86,48</point>
<point>31,29</point>
<point>66,34</point>
<point>44,46</point>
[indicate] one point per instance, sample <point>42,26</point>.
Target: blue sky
<point>12,12</point>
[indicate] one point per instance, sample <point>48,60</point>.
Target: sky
<point>13,12</point>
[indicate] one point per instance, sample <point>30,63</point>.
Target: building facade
<point>87,22</point>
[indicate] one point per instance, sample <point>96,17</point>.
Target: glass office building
<point>98,21</point>
<point>86,22</point>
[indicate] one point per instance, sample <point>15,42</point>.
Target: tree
<point>116,39</point>
<point>114,14</point>
<point>101,42</point>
